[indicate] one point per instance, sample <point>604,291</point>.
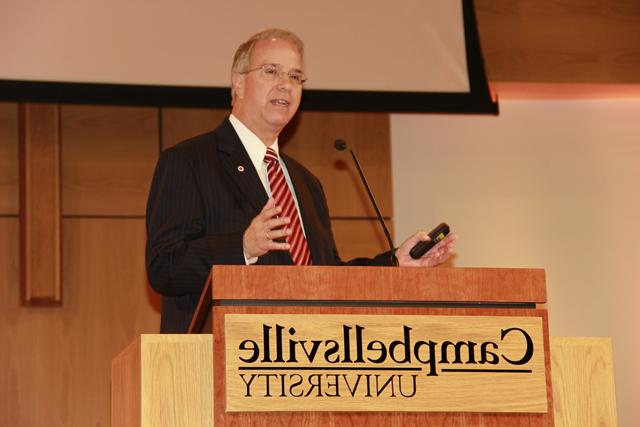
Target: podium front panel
<point>457,409</point>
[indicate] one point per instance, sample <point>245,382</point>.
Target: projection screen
<point>360,55</point>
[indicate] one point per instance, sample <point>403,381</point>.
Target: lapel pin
<point>240,168</point>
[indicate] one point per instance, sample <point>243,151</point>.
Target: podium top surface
<point>381,284</point>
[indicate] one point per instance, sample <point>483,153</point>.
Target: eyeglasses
<point>275,72</point>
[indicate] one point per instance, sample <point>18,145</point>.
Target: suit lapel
<point>238,165</point>
<point>234,157</point>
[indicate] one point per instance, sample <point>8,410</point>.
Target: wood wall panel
<point>58,359</point>
<point>9,311</point>
<point>560,41</point>
<point>104,268</point>
<point>40,212</point>
<point>179,124</point>
<point>9,203</point>
<point>126,386</point>
<point>360,237</point>
<point>32,350</point>
<point>309,139</point>
<point>109,154</point>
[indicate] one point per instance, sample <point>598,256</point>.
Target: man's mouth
<point>280,102</point>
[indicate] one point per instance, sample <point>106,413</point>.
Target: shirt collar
<point>254,146</point>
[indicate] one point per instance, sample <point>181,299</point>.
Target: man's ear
<point>237,80</point>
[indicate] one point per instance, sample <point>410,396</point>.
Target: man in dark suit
<point>213,199</point>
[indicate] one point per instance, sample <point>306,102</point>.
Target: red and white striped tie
<point>282,195</point>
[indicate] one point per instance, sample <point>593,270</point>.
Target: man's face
<point>266,104</point>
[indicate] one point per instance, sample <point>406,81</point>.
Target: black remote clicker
<point>436,235</point>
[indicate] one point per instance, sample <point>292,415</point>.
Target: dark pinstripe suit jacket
<point>199,205</point>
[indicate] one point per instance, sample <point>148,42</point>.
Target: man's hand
<point>261,235</point>
<point>438,254</point>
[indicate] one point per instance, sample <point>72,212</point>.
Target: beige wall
<point>550,184</point>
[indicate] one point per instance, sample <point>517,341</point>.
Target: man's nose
<point>284,81</point>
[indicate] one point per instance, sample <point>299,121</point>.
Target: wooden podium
<point>272,326</point>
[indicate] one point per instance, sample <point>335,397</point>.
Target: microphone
<point>341,145</point>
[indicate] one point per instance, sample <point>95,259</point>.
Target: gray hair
<point>243,53</point>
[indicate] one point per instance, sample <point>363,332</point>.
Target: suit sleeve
<point>180,250</point>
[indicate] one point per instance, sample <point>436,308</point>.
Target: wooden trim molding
<point>40,204</point>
